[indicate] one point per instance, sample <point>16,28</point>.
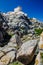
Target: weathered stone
<point>7,49</point>
<point>9,57</point>
<point>5,60</point>
<point>37,60</point>
<point>1,54</point>
<point>1,63</point>
<point>12,41</point>
<point>26,52</point>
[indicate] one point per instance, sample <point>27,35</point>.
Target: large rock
<point>26,52</point>
<point>10,57</point>
<point>7,55</point>
<point>4,37</point>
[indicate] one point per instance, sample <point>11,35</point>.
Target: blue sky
<point>34,8</point>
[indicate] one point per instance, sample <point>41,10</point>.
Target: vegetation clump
<point>16,63</point>
<point>38,31</point>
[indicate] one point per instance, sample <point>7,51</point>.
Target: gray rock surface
<point>26,52</point>
<point>17,20</point>
<point>12,42</point>
<point>7,55</point>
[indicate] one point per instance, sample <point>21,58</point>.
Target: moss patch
<point>16,63</point>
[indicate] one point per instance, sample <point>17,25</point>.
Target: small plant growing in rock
<point>16,63</point>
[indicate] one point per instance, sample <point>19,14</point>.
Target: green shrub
<point>38,31</point>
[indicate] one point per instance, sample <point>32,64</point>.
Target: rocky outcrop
<point>26,52</point>
<point>18,20</point>
<point>36,23</point>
